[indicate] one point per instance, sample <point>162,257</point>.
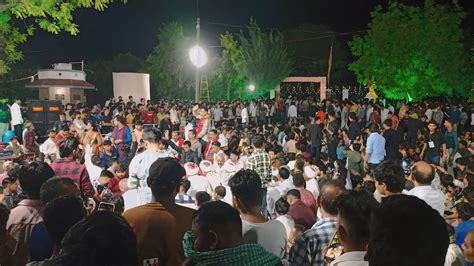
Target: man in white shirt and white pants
<point>17,120</point>
<point>140,164</point>
<point>422,174</point>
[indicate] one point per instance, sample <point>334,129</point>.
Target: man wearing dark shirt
<point>301,214</point>
<point>316,137</point>
<point>434,147</point>
<point>392,141</point>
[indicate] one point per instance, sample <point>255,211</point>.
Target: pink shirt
<point>20,224</point>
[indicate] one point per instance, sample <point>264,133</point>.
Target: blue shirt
<point>375,148</point>
<point>462,229</point>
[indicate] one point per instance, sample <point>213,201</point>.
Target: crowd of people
<point>261,182</point>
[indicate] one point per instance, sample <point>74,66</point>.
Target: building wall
<point>132,84</point>
<point>61,94</point>
<point>61,74</point>
<point>43,94</point>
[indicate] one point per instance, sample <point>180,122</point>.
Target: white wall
<point>131,84</point>
<point>60,91</point>
<point>61,74</point>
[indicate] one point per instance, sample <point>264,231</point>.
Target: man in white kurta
<point>140,164</point>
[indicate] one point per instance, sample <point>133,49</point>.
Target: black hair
<point>4,215</point>
<point>32,176</point>
<point>247,187</point>
<point>470,180</point>
<point>284,172</point>
<point>164,177</point>
<point>258,140</point>
<point>356,146</point>
<point>217,215</point>
<point>67,146</point>
<point>465,211</point>
<point>294,193</point>
<point>61,214</point>
<point>116,200</point>
<point>187,143</point>
<point>299,164</point>
<point>298,180</point>
<point>55,187</point>
<point>374,128</point>
<point>388,122</point>
<point>107,173</point>
<point>186,184</point>
<point>327,198</point>
<point>446,180</point>
<point>202,197</point>
<point>220,191</point>
<point>92,241</point>
<point>282,206</point>
<point>122,167</point>
<point>391,174</point>
<point>433,123</point>
<point>398,218</point>
<point>468,194</point>
<point>355,207</point>
<point>96,160</point>
<point>152,135</point>
<point>235,152</point>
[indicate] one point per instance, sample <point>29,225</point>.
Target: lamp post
<point>197,54</point>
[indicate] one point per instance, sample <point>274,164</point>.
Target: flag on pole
<point>330,62</point>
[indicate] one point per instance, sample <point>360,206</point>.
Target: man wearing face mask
<point>216,239</point>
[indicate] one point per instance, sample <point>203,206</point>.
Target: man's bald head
<point>422,173</point>
<point>329,192</point>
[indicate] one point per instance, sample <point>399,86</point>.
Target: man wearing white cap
<point>198,182</point>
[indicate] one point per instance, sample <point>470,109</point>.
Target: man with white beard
<point>198,182</point>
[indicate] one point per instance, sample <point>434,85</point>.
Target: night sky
<point>133,27</point>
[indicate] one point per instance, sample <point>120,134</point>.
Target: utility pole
<point>196,82</point>
<point>198,33</point>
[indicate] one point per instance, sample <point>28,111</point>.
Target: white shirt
<point>245,115</point>
<point>454,256</point>
<point>187,128</point>
<point>48,147</point>
<point>138,172</point>
<point>271,235</point>
<point>198,183</point>
<point>231,168</point>
<point>288,223</point>
<point>292,111</point>
<point>433,197</point>
<point>429,114</point>
<point>384,114</point>
<point>15,112</point>
<point>285,186</point>
<point>354,258</point>
<point>174,117</point>
<point>93,170</point>
<point>223,140</point>
<point>217,114</point>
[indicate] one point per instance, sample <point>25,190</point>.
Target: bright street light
<point>252,87</point>
<point>198,56</point>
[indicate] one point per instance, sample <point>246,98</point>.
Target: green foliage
<point>226,81</point>
<point>266,60</point>
<point>252,57</point>
<point>415,51</point>
<point>168,65</point>
<point>53,16</point>
<point>100,72</point>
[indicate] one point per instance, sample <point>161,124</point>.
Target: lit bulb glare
<point>252,87</point>
<point>198,56</point>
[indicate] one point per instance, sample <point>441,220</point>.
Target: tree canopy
<point>416,51</point>
<point>54,16</point>
<point>168,64</point>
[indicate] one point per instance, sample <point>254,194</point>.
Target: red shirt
<point>113,185</point>
<point>307,198</point>
<point>302,214</point>
<point>65,167</point>
<point>30,140</point>
<point>149,117</point>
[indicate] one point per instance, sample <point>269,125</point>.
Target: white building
<point>61,83</point>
